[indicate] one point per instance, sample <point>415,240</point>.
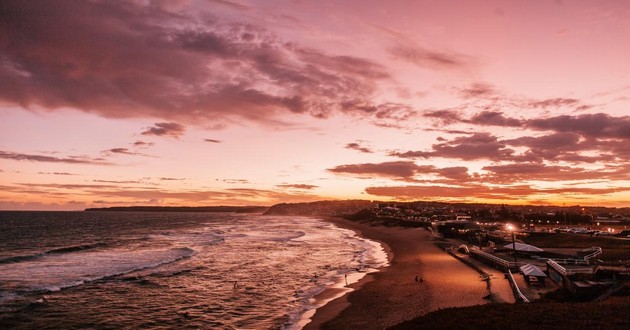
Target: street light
<point>511,228</point>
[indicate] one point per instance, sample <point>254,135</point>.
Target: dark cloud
<point>398,169</point>
<point>444,117</point>
<point>458,192</point>
<point>494,118</point>
<point>143,59</point>
<point>477,90</point>
<point>212,140</point>
<point>50,159</point>
<point>142,144</point>
<point>553,146</point>
<point>404,171</point>
<point>123,151</point>
<point>476,146</point>
<point>459,173</point>
<point>358,147</point>
<point>554,103</point>
<point>411,154</point>
<point>174,130</point>
<point>172,179</point>
<point>571,138</point>
<point>518,172</point>
<point>382,114</point>
<point>599,125</point>
<point>558,146</point>
<point>54,173</point>
<point>473,191</point>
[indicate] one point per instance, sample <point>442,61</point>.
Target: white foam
<point>56,272</point>
<point>372,258</point>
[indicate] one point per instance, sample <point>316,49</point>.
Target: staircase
<point>595,251</point>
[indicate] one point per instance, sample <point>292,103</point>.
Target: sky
<point>234,102</point>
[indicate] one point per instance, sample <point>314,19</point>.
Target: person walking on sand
<point>417,278</point>
<point>346,277</point>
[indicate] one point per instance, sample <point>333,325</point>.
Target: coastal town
<point>524,253</point>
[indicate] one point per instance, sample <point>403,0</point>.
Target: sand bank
<point>391,296</point>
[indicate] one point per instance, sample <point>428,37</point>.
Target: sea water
<point>164,269</point>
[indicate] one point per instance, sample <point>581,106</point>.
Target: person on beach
<point>417,278</point>
<point>346,277</point>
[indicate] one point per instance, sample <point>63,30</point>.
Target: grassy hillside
<point>610,314</point>
<point>614,248</point>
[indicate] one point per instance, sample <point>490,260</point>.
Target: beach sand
<point>391,296</point>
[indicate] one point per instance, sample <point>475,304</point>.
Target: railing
<point>596,251</point>
<point>570,261</point>
<point>495,259</point>
<point>572,271</point>
<point>517,291</point>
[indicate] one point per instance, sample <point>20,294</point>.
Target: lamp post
<point>511,229</point>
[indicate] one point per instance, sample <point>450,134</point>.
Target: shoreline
<point>335,299</point>
<point>391,295</point>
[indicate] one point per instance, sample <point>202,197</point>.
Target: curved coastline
<point>390,296</point>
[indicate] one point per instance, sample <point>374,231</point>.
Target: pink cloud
<point>50,159</point>
<point>142,60</point>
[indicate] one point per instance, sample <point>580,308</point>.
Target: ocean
<point>112,270</point>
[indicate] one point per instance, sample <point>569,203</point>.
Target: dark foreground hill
<point>613,313</point>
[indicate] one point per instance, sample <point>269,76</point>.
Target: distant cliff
<point>237,209</point>
<point>321,208</point>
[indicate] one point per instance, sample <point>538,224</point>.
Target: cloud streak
<point>358,147</point>
<point>173,130</point>
<point>51,159</point>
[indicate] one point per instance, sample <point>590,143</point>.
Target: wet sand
<point>391,296</point>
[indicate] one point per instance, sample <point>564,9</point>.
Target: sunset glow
<point>147,102</point>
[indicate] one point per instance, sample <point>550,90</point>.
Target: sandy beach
<point>392,295</point>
